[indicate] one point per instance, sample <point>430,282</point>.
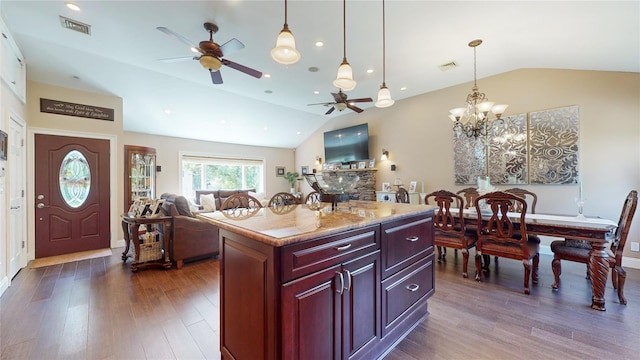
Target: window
<point>216,173</point>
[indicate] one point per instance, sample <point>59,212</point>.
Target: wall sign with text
<point>72,109</point>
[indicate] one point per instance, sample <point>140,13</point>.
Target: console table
<point>311,283</point>
<point>130,227</point>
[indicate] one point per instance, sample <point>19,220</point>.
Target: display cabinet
<point>139,174</point>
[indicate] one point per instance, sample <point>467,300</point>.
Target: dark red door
<point>71,194</point>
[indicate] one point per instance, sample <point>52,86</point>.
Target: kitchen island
<point>311,283</point>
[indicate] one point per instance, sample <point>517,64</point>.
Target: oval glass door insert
<point>75,179</point>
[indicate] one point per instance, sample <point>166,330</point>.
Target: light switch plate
<point>635,246</point>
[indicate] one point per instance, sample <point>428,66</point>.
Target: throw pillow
<point>208,202</point>
<point>261,196</point>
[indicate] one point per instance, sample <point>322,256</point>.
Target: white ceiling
<point>120,57</point>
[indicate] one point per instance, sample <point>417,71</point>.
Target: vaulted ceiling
<point>121,56</point>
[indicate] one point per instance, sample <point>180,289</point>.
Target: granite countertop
<point>279,226</point>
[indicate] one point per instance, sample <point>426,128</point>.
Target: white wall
<point>418,135</point>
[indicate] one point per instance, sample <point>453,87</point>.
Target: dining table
<point>597,231</point>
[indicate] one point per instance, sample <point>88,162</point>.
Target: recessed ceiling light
<point>265,128</point>
<point>319,44</point>
<point>298,133</point>
<point>73,6</point>
<point>313,69</point>
<point>223,121</point>
<point>403,88</point>
<point>167,111</point>
<point>316,92</point>
<point>268,91</point>
<point>75,77</point>
<point>267,75</point>
<point>369,71</point>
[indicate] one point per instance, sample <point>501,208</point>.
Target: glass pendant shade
<point>344,80</point>
<point>285,51</point>
<point>499,109</point>
<point>210,62</point>
<point>384,97</point>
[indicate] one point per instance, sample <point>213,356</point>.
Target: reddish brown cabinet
<point>347,295</point>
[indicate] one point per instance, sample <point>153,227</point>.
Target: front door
<point>71,194</point>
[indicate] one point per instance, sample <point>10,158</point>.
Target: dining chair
<point>313,197</point>
<point>469,194</point>
<point>240,201</point>
<point>577,250</point>
<point>282,199</point>
<point>530,197</point>
<point>402,196</point>
<point>502,237</point>
<point>450,230</point>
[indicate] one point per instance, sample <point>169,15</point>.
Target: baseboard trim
<point>4,284</point>
<point>118,243</point>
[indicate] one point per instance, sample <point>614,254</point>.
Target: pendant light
<point>285,51</point>
<point>384,95</point>
<point>344,80</point>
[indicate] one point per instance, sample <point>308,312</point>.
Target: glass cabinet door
<point>140,174</point>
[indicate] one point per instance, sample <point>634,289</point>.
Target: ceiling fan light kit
<point>384,95</point>
<point>285,51</point>
<point>210,62</point>
<point>344,80</point>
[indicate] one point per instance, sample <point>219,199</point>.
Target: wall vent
<point>448,66</point>
<point>75,25</point>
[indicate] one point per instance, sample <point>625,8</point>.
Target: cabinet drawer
<point>304,258</point>
<point>405,241</point>
<point>406,291</point>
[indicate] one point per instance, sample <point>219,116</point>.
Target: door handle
<point>340,289</point>
<point>41,206</point>
<point>40,197</point>
<point>345,247</point>
<point>348,287</point>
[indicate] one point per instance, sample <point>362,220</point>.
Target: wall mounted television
<point>348,144</point>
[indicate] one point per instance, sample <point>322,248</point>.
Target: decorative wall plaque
<point>73,109</point>
<point>508,151</point>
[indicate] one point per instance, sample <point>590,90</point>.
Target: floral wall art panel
<point>508,151</point>
<point>553,142</point>
<point>469,157</point>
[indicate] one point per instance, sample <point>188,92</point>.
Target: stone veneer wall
<point>366,187</point>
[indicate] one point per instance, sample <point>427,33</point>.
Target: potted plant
<point>291,177</point>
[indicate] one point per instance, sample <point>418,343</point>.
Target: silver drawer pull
<point>340,289</point>
<point>413,287</point>
<point>413,238</point>
<point>340,248</point>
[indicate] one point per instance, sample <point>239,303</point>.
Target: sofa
<point>219,195</point>
<point>192,238</point>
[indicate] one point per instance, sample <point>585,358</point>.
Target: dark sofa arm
<point>193,238</point>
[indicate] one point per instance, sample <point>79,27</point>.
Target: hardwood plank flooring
<point>99,309</point>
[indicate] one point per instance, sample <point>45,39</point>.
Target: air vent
<point>75,25</point>
<point>448,66</point>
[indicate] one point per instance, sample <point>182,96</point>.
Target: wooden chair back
<point>530,197</point>
<point>402,196</point>
<point>283,199</point>
<point>470,194</point>
<point>241,200</point>
<point>444,220</point>
<point>313,197</point>
<point>624,224</point>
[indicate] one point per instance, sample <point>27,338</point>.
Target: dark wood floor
<point>98,309</point>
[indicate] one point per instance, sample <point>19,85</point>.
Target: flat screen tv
<point>348,144</point>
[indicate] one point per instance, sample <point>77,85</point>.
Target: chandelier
<point>473,120</point>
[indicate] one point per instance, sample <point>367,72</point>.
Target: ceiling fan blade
<point>231,46</point>
<point>355,108</point>
<point>178,59</point>
<point>179,37</point>
<point>337,97</point>
<point>247,70</point>
<point>216,77</point>
<point>325,104</point>
<point>360,100</point>
<point>330,110</point>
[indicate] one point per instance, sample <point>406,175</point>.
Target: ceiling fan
<point>342,103</point>
<point>211,53</point>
